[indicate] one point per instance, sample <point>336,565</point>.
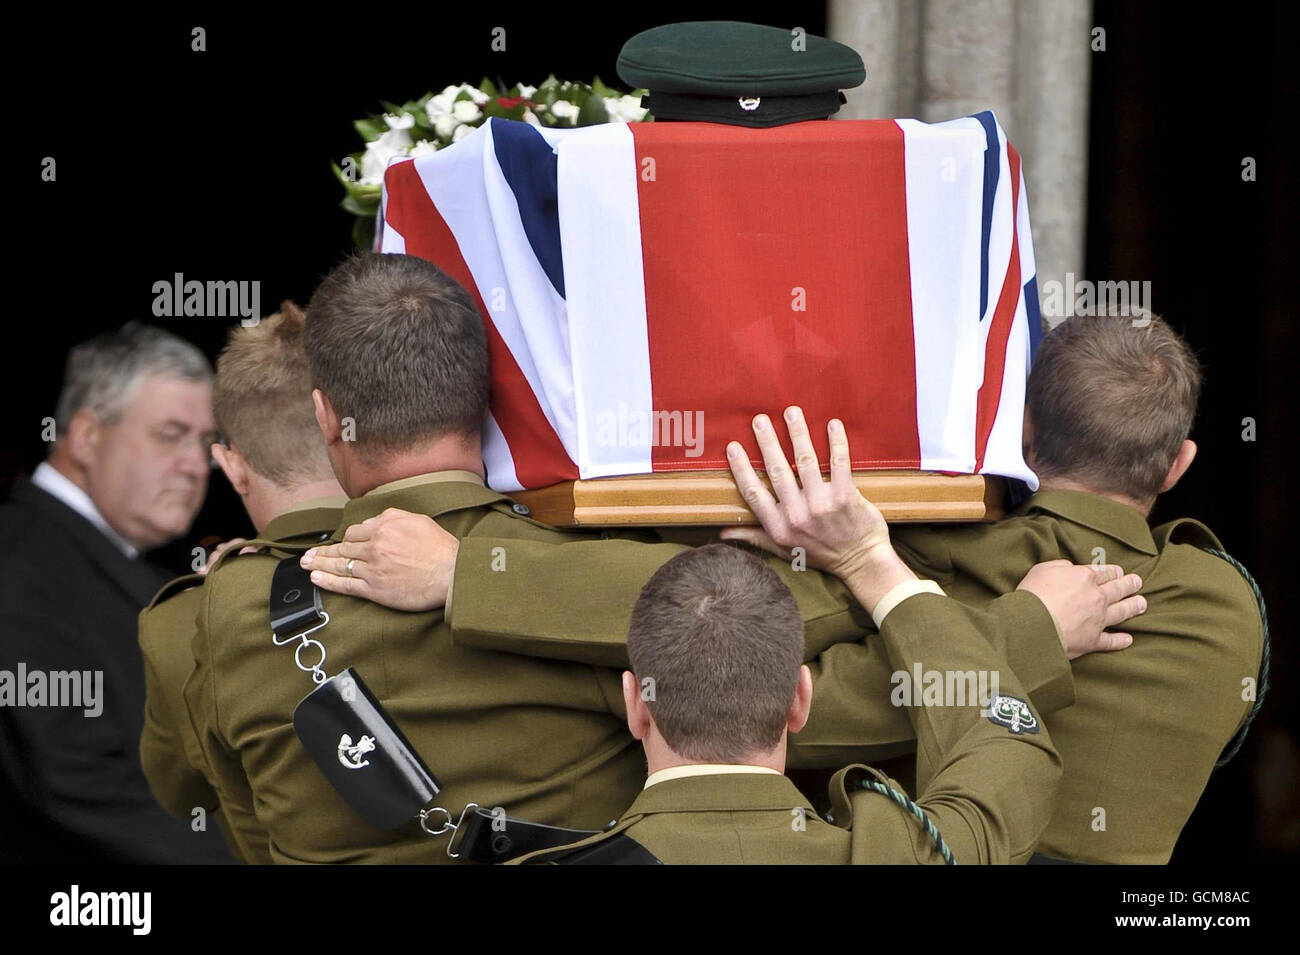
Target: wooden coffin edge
<point>710,498</point>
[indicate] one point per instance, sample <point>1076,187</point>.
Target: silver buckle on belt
<point>447,825</point>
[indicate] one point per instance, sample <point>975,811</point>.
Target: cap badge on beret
<point>723,71</point>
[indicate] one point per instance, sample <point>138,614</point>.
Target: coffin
<point>647,289</point>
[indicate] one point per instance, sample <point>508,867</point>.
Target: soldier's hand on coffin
<point>397,559</point>
<point>837,529</point>
<point>1084,600</point>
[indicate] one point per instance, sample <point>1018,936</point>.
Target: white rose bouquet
<point>433,121</point>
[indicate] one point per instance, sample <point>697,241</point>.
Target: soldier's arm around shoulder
<point>572,599</point>
<point>1017,623</point>
<point>987,774</point>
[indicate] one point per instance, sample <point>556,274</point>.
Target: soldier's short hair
<point>716,642</point>
<point>398,346</point>
<point>102,373</point>
<point>1112,399</point>
<point>262,400</point>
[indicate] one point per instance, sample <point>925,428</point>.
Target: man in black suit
<point>127,472</point>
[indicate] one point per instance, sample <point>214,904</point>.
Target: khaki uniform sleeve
<point>573,601</point>
<point>1024,631</point>
<point>177,786</point>
<point>223,765</point>
<point>1021,626</point>
<point>167,752</point>
<point>987,786</point>
<point>610,683</point>
<point>858,714</point>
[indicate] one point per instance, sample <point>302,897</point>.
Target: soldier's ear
<point>638,714</point>
<point>797,718</point>
<point>331,428</point>
<point>234,466</point>
<point>1182,462</point>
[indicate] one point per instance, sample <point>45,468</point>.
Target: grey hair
<point>102,372</point>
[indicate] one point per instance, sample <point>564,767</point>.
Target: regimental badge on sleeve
<point>1013,713</point>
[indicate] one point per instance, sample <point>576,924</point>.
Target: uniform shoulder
<point>1186,531</point>
<point>511,519</point>
<point>847,784</point>
<point>885,823</point>
<point>1211,583</point>
<point>1190,551</point>
<point>237,581</point>
<point>174,588</point>
<point>166,626</point>
<point>888,826</point>
<point>951,545</point>
<point>172,609</point>
<point>240,566</point>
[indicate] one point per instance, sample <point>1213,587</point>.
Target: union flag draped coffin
<point>649,287</point>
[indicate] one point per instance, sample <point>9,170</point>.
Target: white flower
<point>563,109</point>
<point>395,142</point>
<point>445,125</point>
<point>476,94</point>
<point>461,133</point>
<point>625,109</point>
<point>440,105</point>
<point>531,118</point>
<point>405,121</point>
<point>466,112</point>
<point>423,148</point>
<point>527,91</point>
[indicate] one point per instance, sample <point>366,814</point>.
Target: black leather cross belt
<point>365,755</point>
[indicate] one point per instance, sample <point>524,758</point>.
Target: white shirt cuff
<point>908,588</point>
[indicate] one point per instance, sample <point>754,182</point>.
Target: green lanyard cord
<point>905,801</point>
<point>1235,744</point>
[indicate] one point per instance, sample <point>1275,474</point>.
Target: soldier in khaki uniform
<point>399,358</point>
<point>1148,724</point>
<point>278,466</point>
<point>716,684</point>
<point>169,750</point>
<point>1110,405</point>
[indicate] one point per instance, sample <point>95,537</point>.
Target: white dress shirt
<point>704,769</point>
<point>52,481</point>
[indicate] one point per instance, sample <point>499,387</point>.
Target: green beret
<point>721,71</point>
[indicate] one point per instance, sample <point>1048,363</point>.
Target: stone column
<point>1027,60</point>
